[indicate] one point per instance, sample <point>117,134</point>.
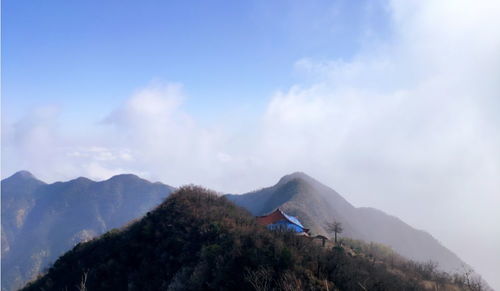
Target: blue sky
<point>392,103</point>
<point>87,56</point>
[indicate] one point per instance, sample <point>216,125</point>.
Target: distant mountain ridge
<point>41,221</point>
<point>316,205</point>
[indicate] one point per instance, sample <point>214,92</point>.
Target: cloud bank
<point>409,125</point>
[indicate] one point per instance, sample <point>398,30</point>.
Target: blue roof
<point>292,219</point>
<point>283,224</point>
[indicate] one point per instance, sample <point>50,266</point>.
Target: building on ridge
<point>279,220</point>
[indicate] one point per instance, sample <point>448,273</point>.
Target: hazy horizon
<point>394,104</point>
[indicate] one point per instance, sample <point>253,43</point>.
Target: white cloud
<point>410,124</point>
<point>149,134</point>
<point>37,143</point>
<point>165,141</point>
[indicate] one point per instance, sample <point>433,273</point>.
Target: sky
<point>394,104</point>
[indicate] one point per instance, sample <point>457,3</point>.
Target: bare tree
<point>260,279</point>
<point>289,282</point>
<point>336,228</point>
<point>429,269</point>
<point>83,282</point>
<point>472,281</point>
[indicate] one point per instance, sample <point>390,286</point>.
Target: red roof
<point>271,218</point>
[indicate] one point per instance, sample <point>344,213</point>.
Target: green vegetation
<point>197,240</point>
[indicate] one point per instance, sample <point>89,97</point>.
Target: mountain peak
<point>124,177</point>
<point>23,174</point>
<point>81,180</point>
<point>295,176</point>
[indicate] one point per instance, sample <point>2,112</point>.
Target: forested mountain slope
<point>42,221</point>
<point>197,240</point>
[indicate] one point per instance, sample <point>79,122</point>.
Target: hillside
<point>317,204</point>
<point>42,221</point>
<point>197,240</point>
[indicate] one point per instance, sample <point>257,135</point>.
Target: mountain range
<point>198,240</point>
<point>41,221</point>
